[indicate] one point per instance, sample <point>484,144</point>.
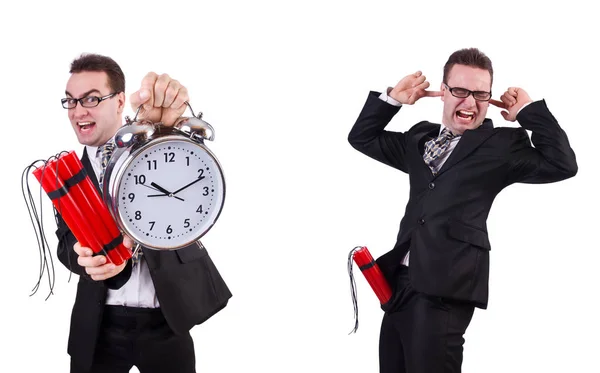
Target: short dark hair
<point>97,62</point>
<point>469,57</point>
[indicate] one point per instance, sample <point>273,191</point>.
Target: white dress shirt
<point>139,290</point>
<point>438,162</point>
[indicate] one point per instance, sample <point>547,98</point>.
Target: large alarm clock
<point>162,185</point>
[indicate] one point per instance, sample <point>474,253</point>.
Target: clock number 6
<point>169,229</point>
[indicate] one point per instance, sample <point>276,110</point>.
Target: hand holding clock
<point>97,266</point>
<point>161,97</point>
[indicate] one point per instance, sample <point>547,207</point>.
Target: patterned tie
<point>105,151</point>
<point>137,255</point>
<point>434,148</point>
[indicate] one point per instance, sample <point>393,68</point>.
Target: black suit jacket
<point>188,287</point>
<point>444,225</point>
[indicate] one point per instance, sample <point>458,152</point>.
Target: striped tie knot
<point>434,148</point>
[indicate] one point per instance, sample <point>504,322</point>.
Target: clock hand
<point>158,187</point>
<point>164,195</point>
<point>190,184</point>
<point>161,189</point>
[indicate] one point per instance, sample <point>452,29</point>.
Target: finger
<point>419,80</point>
<point>421,87</point>
<point>433,93</point>
<point>513,91</point>
<point>181,99</point>
<point>91,261</point>
<point>417,74</point>
<point>128,241</point>
<point>171,93</point>
<point>100,270</point>
<point>144,96</point>
<point>505,98</point>
<point>497,103</point>
<point>82,251</point>
<point>504,114</point>
<point>160,88</point>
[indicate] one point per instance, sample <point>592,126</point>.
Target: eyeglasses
<point>464,93</point>
<point>89,101</point>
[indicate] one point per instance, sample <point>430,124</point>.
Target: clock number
<point>141,179</point>
<point>152,224</point>
<point>186,223</point>
<point>201,173</point>
<point>138,215</point>
<point>199,209</point>
<point>151,164</point>
<point>205,191</point>
<point>169,229</point>
<point>131,197</point>
<point>169,157</point>
<point>187,159</point>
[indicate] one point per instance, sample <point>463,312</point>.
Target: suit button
<point>421,221</point>
<point>431,185</point>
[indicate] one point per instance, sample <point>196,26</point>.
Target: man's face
<point>461,114</point>
<point>96,125</point>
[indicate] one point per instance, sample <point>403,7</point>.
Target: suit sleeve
<point>550,159</point>
<point>68,256</point>
<point>369,137</point>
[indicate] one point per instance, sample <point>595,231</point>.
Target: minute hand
<point>190,184</point>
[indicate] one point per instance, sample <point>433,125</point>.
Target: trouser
<point>140,337</point>
<point>422,333</point>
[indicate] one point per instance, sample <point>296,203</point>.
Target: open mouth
<point>465,115</point>
<point>86,126</point>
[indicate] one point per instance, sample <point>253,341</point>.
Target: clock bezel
<point>122,159</point>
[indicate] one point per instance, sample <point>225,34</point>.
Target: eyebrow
<point>85,94</point>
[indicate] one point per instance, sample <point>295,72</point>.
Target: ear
<point>443,90</point>
<point>121,100</point>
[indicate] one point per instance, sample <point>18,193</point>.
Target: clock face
<point>170,193</point>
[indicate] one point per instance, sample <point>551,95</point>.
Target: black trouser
<point>141,337</point>
<point>422,334</point>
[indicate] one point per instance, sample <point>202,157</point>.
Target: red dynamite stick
<point>95,200</point>
<point>66,206</point>
<point>89,201</point>
<point>97,203</point>
<point>362,257</point>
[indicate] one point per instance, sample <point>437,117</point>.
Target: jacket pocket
<point>469,234</point>
<point>191,252</point>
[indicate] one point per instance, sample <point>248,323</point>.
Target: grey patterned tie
<point>137,256</point>
<point>434,148</point>
<point>104,151</point>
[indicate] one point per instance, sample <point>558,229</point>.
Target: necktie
<point>137,256</point>
<point>434,148</point>
<point>104,152</point>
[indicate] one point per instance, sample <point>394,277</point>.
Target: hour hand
<point>160,188</point>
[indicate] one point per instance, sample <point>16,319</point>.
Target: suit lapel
<point>469,141</point>
<point>87,165</point>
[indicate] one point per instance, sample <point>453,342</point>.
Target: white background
<point>283,82</point>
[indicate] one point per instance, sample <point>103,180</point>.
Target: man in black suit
<point>439,267</point>
<point>131,314</point>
